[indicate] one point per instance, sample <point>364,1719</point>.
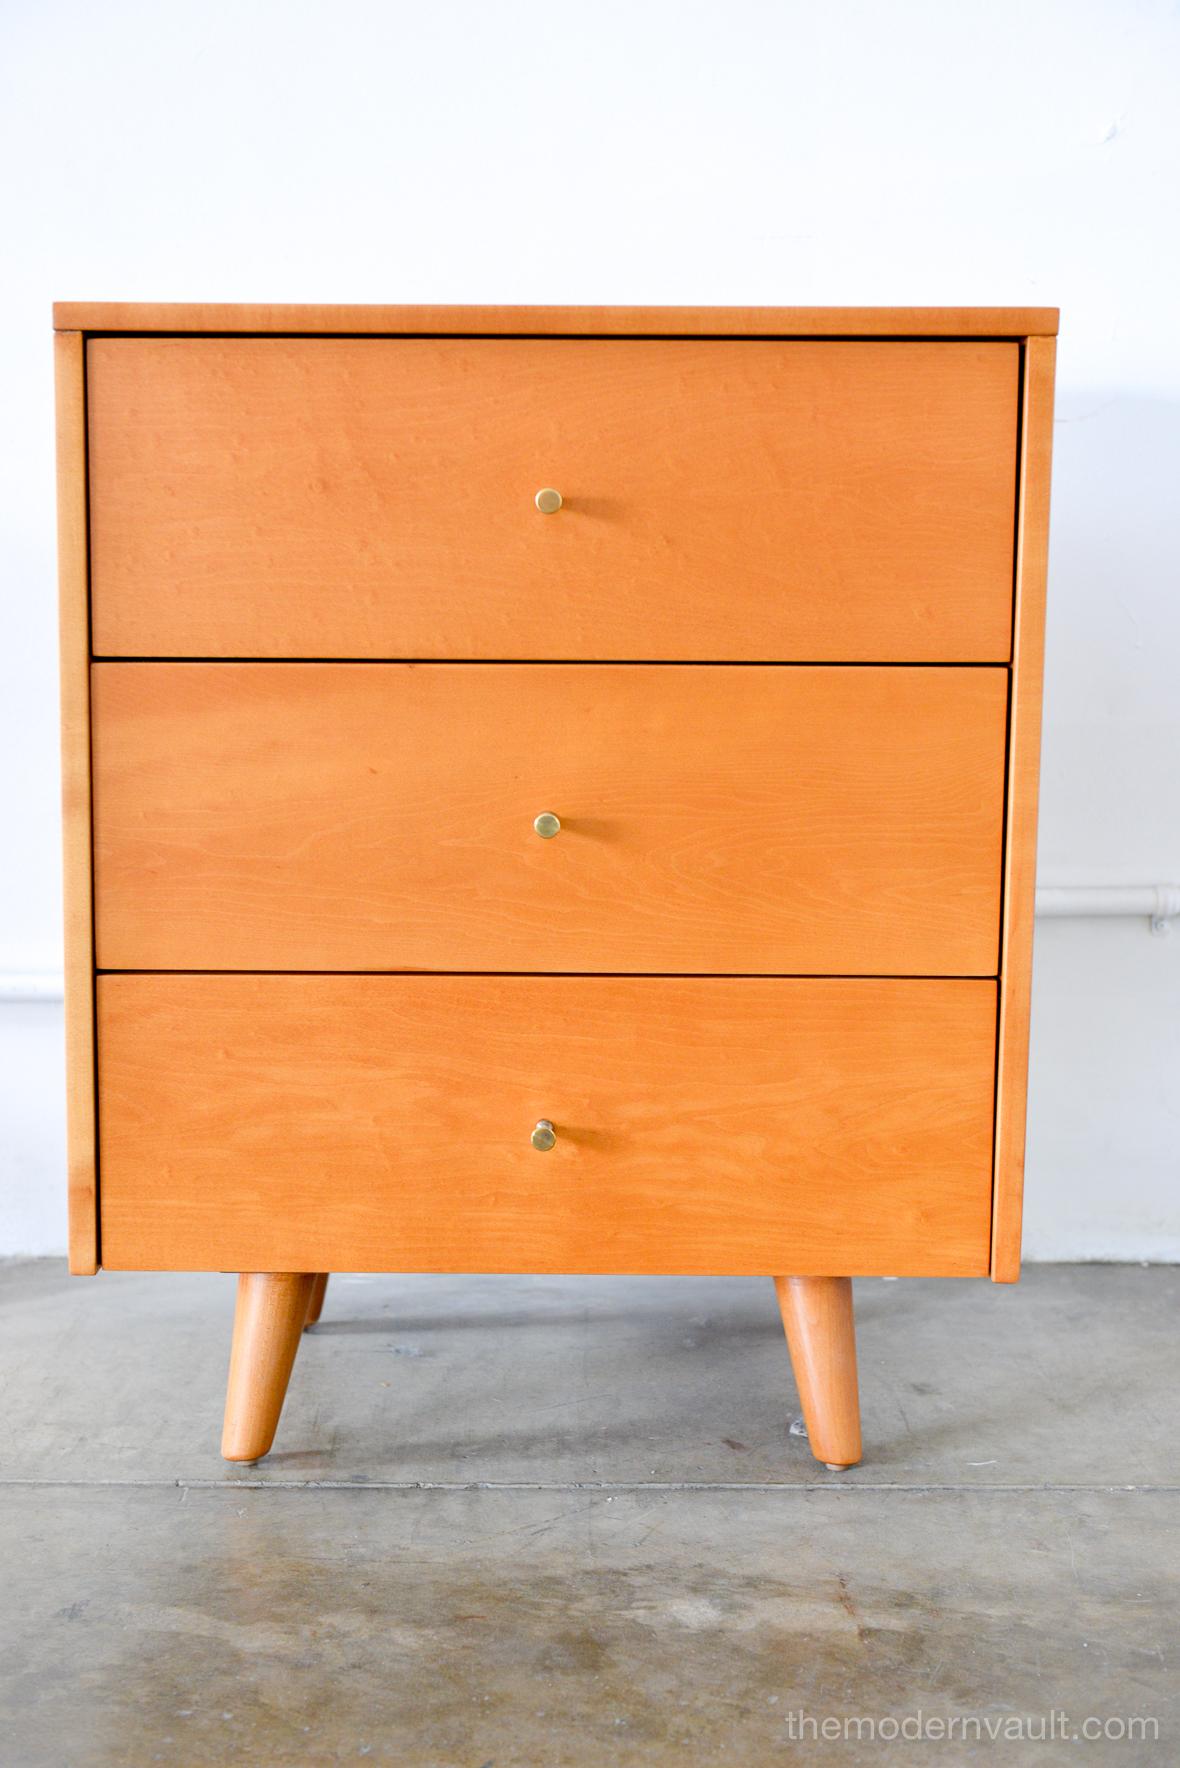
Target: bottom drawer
<point>370,1123</point>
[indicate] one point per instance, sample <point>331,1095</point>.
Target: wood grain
<point>273,497</point>
<point>1024,753</point>
<point>69,362</point>
<point>272,1308</point>
<point>223,316</point>
<point>821,1334</point>
<point>380,817</point>
<point>294,1123</point>
<point>315,1305</point>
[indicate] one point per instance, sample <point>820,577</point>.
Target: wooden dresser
<point>550,790</point>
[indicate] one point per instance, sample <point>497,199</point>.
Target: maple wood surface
<point>315,1305</point>
<point>821,1334</point>
<point>271,1311</point>
<point>271,497</point>
<point>1023,782</point>
<point>380,817</point>
<point>751,982</point>
<point>74,619</point>
<point>228,316</point>
<point>285,1123</point>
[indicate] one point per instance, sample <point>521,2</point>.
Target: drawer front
<point>381,817</point>
<point>384,1123</point>
<point>749,500</point>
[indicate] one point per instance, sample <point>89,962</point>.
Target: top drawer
<point>722,500</point>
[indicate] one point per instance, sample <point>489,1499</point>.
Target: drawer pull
<point>548,501</point>
<point>544,1136</point>
<point>547,825</point>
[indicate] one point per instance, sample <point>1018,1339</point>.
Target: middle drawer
<point>740,819</point>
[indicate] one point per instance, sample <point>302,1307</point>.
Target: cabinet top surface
<point>228,317</point>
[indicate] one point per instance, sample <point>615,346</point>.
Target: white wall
<point>369,150</point>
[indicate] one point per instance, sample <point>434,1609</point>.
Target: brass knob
<point>547,825</point>
<point>544,1136</point>
<point>548,501</point>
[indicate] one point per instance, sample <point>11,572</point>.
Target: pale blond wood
<point>269,497</point>
<point>821,1335</point>
<point>315,1306</point>
<point>383,1123</point>
<point>380,817</point>
<point>222,316</point>
<point>70,366</point>
<point>272,1308</point>
<point>1024,750</point>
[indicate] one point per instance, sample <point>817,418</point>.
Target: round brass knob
<point>548,501</point>
<point>547,825</point>
<point>544,1136</point>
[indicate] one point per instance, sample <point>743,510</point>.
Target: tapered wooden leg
<point>315,1306</point>
<point>821,1337</point>
<point>272,1307</point>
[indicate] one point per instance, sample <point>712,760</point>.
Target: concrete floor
<point>542,1522</point>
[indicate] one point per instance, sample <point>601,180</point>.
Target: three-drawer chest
<point>550,790</point>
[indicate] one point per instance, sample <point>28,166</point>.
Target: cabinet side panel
<point>1024,750</point>
<point>70,373</point>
